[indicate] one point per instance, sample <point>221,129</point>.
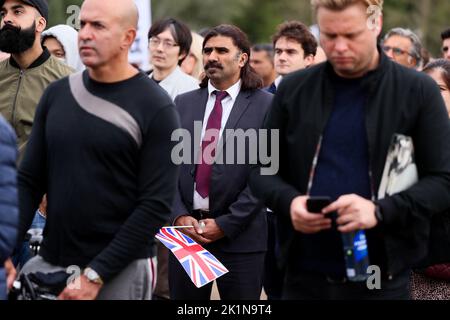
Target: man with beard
<point>215,195</point>
<point>29,69</point>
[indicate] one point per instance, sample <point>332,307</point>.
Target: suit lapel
<point>196,109</point>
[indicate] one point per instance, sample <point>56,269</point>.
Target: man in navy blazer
<point>214,198</point>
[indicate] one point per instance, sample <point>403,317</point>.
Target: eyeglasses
<point>167,44</point>
<point>445,49</point>
<point>396,51</point>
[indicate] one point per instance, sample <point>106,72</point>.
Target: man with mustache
<point>101,150</point>
<point>29,69</point>
<point>213,196</point>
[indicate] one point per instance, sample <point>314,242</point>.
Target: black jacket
<point>439,243</point>
<point>401,101</point>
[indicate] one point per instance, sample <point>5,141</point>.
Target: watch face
<point>91,275</point>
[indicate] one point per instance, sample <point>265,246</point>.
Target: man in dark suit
<point>214,198</point>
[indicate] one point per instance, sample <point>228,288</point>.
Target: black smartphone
<point>316,204</point>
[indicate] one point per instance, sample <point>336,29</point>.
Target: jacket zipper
<point>15,98</point>
<point>312,172</point>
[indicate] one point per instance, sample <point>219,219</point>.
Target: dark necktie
<point>273,88</point>
<point>203,174</point>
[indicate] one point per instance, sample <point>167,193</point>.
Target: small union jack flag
<point>201,266</point>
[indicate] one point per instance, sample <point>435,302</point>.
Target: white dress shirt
<point>278,81</point>
<point>178,83</point>
<point>227,106</point>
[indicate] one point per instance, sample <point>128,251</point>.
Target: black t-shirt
<point>107,196</point>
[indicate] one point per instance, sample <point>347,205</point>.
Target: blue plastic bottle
<point>356,255</point>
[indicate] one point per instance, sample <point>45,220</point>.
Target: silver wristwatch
<point>92,276</point>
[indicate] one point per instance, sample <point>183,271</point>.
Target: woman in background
<point>62,42</point>
<point>432,282</point>
<point>193,64</point>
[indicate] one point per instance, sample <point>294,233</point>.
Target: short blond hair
<point>343,4</point>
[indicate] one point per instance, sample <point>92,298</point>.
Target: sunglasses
<point>445,49</point>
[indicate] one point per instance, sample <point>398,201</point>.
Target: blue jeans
<point>24,254</point>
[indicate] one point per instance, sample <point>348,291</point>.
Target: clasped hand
<point>354,213</point>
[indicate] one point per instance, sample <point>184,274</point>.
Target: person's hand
<point>81,289</point>
<point>43,206</point>
<point>307,222</point>
<point>355,213</point>
<point>11,273</point>
<point>210,230</point>
<point>196,233</point>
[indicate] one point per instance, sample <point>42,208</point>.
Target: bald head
<point>131,15</point>
<point>123,12</point>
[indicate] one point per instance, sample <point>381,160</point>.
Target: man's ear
<point>130,36</point>
<point>375,19</point>
<point>243,59</point>
<point>379,25</point>
<point>41,24</point>
<point>182,56</point>
<point>412,61</point>
<point>309,60</point>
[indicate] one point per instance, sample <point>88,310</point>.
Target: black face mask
<point>17,40</point>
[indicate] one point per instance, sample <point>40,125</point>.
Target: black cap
<point>40,5</point>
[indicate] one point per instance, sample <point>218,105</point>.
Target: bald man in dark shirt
<point>105,165</point>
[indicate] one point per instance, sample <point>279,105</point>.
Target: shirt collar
<point>278,81</point>
<point>232,91</point>
<point>45,55</point>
